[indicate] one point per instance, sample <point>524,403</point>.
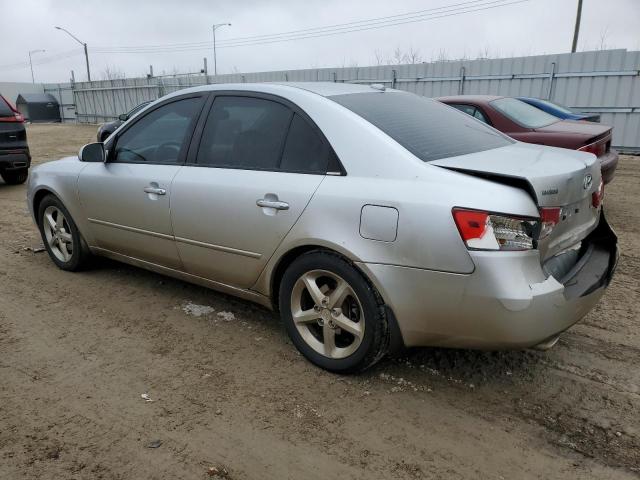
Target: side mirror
<point>92,152</point>
<point>123,117</point>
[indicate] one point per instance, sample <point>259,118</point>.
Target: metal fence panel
<point>606,82</point>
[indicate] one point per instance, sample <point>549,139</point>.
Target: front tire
<point>61,236</point>
<point>15,177</point>
<point>332,314</point>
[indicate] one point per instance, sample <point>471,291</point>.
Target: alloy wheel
<point>58,233</point>
<point>327,313</point>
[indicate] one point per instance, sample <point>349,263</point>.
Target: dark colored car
<point>560,111</point>
<point>108,128</point>
<point>15,158</point>
<point>529,124</point>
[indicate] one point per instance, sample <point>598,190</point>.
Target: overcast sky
<point>527,28</point>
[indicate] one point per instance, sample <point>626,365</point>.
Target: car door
<point>257,165</point>
<point>127,199</point>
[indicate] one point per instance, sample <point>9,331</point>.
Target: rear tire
<point>332,314</point>
<point>15,177</point>
<point>61,237</point>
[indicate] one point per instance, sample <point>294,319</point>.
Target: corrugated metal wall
<point>607,82</point>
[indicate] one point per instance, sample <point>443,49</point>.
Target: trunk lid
<point>588,129</point>
<point>554,177</point>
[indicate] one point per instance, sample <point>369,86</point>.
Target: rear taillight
<point>549,218</point>
<point>490,231</point>
<point>597,148</point>
<point>598,196</point>
<point>16,115</point>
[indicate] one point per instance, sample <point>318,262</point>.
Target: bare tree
<point>483,54</point>
<point>413,56</point>
<point>398,56</point>
<point>111,72</point>
<point>443,56</point>
<point>379,57</point>
<point>604,33</point>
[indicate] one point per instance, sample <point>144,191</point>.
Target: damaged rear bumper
<point>507,302</point>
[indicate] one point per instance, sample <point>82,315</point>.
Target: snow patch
<point>227,316</point>
<point>196,310</point>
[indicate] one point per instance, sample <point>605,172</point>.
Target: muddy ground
<point>230,391</point>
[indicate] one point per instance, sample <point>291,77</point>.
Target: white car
<point>369,217</point>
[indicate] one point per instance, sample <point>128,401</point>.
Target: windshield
<point>522,113</point>
<point>560,108</point>
<point>427,128</point>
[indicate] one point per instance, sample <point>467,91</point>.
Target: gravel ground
<point>229,391</point>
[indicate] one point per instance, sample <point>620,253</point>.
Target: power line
<point>329,31</point>
<point>43,60</point>
<point>301,31</point>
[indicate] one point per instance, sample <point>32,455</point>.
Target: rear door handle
<point>156,190</point>
<point>272,204</point>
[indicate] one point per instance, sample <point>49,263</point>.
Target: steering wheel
<point>167,151</point>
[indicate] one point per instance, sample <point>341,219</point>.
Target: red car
<point>527,123</point>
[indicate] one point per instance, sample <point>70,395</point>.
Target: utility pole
<point>576,30</point>
<point>33,80</point>
<point>215,27</point>
<point>84,45</point>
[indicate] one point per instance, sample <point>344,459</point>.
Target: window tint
<point>137,108</point>
<point>159,136</point>
<point>244,132</point>
<point>425,127</point>
<point>305,151</point>
<point>522,113</point>
<point>468,109</point>
<point>480,116</point>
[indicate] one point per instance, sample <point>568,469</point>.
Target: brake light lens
<point>16,117</point>
<point>489,231</point>
<point>598,196</point>
<point>597,148</point>
<point>549,218</point>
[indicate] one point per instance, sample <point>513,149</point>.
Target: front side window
<point>159,136</point>
<point>427,128</point>
<point>522,113</point>
<point>244,132</point>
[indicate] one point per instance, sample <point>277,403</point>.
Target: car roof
<point>325,89</point>
<point>477,99</point>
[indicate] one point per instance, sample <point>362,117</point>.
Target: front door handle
<point>278,205</point>
<point>156,190</point>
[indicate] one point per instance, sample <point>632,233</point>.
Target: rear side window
<point>305,151</point>
<point>244,132</point>
<point>468,109</point>
<point>427,128</point>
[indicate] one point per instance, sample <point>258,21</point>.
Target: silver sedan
<point>368,217</point>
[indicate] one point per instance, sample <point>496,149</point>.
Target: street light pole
<point>84,45</point>
<point>576,29</point>
<point>33,80</point>
<point>215,27</point>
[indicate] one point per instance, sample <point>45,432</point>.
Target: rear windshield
<point>522,113</point>
<point>425,127</point>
